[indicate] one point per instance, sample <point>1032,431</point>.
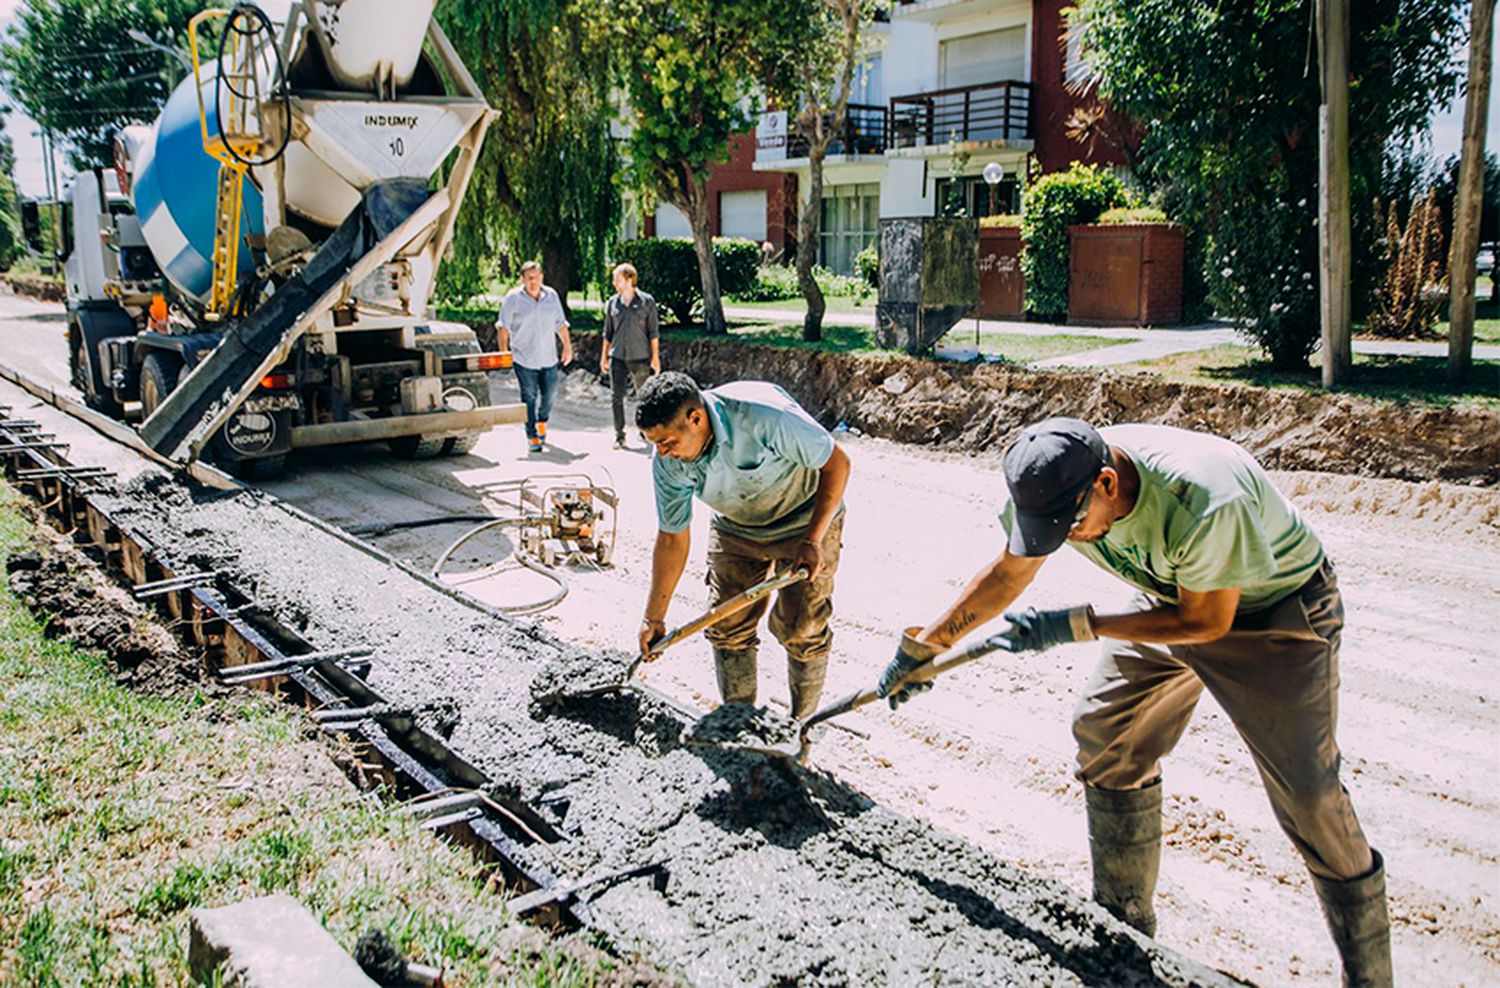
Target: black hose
<point>250,12</point>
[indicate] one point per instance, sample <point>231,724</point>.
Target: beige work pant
<point>1276,675</point>
<point>799,619</point>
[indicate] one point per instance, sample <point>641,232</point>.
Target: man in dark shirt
<point>632,350</point>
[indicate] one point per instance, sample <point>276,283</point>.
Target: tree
<point>1230,127</point>
<point>813,69</point>
<point>545,183</point>
<point>688,68</point>
<point>10,201</point>
<point>1466,212</point>
<point>72,65</point>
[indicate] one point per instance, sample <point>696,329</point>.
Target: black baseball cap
<point>1047,469</point>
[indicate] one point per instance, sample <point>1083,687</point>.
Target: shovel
<point>797,748</point>
<point>724,609</point>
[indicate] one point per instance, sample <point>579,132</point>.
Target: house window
<point>850,223</point>
<point>970,196</point>
<point>975,59</point>
<point>743,214</point>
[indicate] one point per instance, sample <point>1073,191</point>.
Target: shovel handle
<point>926,672</point>
<point>724,609</point>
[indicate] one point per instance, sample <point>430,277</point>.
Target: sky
<point>1447,125</point>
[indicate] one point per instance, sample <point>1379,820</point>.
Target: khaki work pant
<point>1276,675</point>
<point>799,619</point>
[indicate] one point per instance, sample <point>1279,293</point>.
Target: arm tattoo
<point>958,623</point>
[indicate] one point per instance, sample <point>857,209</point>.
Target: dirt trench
<point>975,407</point>
<point>774,875</point>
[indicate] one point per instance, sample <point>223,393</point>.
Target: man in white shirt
<point>530,324</point>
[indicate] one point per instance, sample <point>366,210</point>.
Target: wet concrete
<point>743,724</point>
<point>775,875</point>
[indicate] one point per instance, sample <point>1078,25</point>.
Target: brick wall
<point>1052,103</point>
<point>738,174</point>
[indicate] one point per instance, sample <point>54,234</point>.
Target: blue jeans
<point>537,389</point>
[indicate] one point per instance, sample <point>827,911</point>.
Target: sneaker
<point>536,444</point>
<point>541,431</point>
<point>620,443</point>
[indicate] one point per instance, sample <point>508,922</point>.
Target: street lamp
<point>993,173</point>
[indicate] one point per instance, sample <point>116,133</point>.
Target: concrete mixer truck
<point>252,275</point>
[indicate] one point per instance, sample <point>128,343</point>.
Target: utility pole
<point>1465,247</point>
<point>1334,241</point>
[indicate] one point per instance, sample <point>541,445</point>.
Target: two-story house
<point>946,87</point>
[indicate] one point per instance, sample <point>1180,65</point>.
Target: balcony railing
<point>990,111</point>
<point>863,133</point>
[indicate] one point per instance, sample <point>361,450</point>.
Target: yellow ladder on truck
<point>234,147</point>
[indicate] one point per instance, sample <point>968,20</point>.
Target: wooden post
<point>1465,247</point>
<point>1334,245</point>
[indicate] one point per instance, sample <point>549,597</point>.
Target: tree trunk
<point>807,242</point>
<point>559,259</point>
<point>703,246</point>
<point>1465,248</point>
<point>1333,192</point>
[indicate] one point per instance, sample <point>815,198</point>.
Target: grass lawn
<point>836,305</point>
<point>1020,348</point>
<point>120,811</point>
<point>1385,378</point>
<point>1486,331</point>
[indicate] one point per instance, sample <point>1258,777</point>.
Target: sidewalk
<point>1145,344</point>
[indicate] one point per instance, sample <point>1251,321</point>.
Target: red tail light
<point>273,382</point>
<point>489,361</point>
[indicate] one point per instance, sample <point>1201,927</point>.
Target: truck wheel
<point>461,445</point>
<point>83,380</point>
<point>159,374</point>
<point>417,447</point>
<point>265,468</point>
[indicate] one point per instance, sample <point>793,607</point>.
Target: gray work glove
<point>909,654</point>
<point>1033,631</point>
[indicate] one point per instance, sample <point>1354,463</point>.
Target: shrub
<point>738,261</point>
<point>1410,296</point>
<point>460,279</point>
<point>867,265</point>
<point>999,220</point>
<point>668,269</point>
<point>1052,204</point>
<point>776,283</point>
<point>1133,214</point>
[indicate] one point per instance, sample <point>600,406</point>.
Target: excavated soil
<point>774,875</point>
<point>975,407</point>
<point>77,606</point>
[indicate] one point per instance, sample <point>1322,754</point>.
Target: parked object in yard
<point>929,279</point>
<point>1125,274</point>
<point>254,271</point>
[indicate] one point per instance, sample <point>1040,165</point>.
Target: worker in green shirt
<point>1236,596</point>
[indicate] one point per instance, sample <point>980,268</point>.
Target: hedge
<point>1054,203</point>
<point>668,269</point>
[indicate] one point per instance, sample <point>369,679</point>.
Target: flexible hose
<point>256,22</point>
<point>519,556</point>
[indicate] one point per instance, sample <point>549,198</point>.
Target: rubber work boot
<point>1125,845</point>
<point>805,680</point>
<point>1360,926</point>
<point>735,669</point>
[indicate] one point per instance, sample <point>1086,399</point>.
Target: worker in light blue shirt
<point>775,480</point>
<point>530,324</point>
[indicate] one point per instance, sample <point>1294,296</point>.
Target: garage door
<point>672,222</point>
<point>743,214</point>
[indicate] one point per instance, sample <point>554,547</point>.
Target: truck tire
<point>159,374</point>
<point>461,445</point>
<point>83,379</point>
<point>417,447</point>
<point>265,468</point>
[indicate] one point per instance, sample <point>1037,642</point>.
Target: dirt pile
<point>774,875</point>
<point>976,407</point>
<point>76,606</point>
<point>44,289</point>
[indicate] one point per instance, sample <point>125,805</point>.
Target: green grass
<point>1020,348</point>
<point>1407,380</point>
<point>836,305</point>
<point>119,812</point>
<point>1486,331</point>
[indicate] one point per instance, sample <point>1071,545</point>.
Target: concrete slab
<point>269,942</point>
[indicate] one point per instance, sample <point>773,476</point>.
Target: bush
<point>738,261</point>
<point>999,220</point>
<point>1133,214</point>
<point>461,278</point>
<point>776,283</point>
<point>1054,203</point>
<point>867,266</point>
<point>668,269</point>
